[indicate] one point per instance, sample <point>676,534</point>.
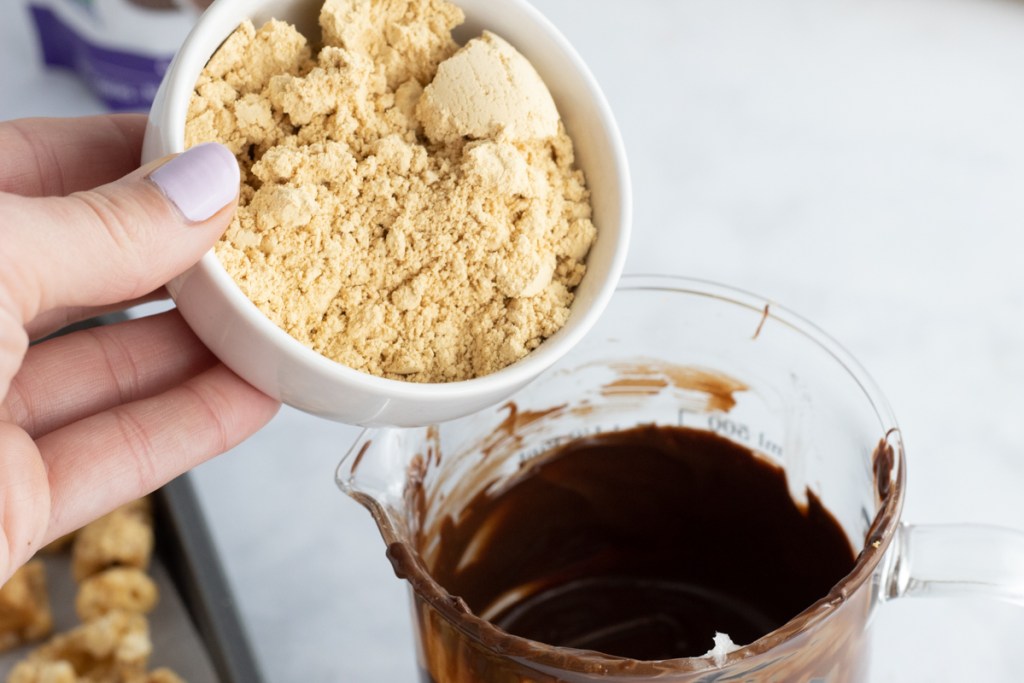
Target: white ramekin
<point>270,359</point>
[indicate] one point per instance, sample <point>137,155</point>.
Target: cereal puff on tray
<point>24,607</point>
<point>108,559</point>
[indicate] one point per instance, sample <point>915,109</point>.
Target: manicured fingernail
<point>200,181</point>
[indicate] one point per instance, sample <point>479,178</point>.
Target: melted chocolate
<point>642,543</point>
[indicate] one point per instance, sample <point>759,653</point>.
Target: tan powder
<point>407,216</point>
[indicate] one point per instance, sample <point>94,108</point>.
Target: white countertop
<point>861,162</point>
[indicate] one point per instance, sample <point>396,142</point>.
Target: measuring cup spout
<point>375,471</point>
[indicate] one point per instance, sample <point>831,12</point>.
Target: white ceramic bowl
<point>271,360</point>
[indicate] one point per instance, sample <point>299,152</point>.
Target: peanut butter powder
<point>408,208</point>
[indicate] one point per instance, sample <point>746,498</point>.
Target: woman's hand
<point>93,419</point>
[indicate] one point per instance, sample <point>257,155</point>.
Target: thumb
<point>122,240</point>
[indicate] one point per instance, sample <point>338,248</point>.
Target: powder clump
<point>408,208</point>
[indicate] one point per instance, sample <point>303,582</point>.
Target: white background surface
<point>860,161</point>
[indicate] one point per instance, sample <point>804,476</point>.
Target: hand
<point>91,420</point>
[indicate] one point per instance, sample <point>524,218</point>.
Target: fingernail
<point>199,181</point>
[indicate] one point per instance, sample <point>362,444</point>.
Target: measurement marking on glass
<point>554,442</point>
<point>767,445</point>
<point>732,429</point>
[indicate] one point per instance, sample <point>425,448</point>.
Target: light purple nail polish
<point>200,181</point>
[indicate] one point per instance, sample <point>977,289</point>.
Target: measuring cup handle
<point>943,560</point>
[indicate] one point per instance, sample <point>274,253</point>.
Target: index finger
<point>121,454</point>
<point>55,157</point>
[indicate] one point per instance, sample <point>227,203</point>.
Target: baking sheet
<point>195,628</point>
<point>176,642</point>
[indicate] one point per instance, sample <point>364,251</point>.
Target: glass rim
<point>880,534</point>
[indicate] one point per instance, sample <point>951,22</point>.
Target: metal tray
<point>195,628</point>
<point>186,548</point>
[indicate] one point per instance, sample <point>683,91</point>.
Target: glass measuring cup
<point>673,351</point>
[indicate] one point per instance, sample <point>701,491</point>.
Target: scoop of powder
<point>486,90</point>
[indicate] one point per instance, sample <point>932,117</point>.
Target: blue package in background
<point>121,48</point>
